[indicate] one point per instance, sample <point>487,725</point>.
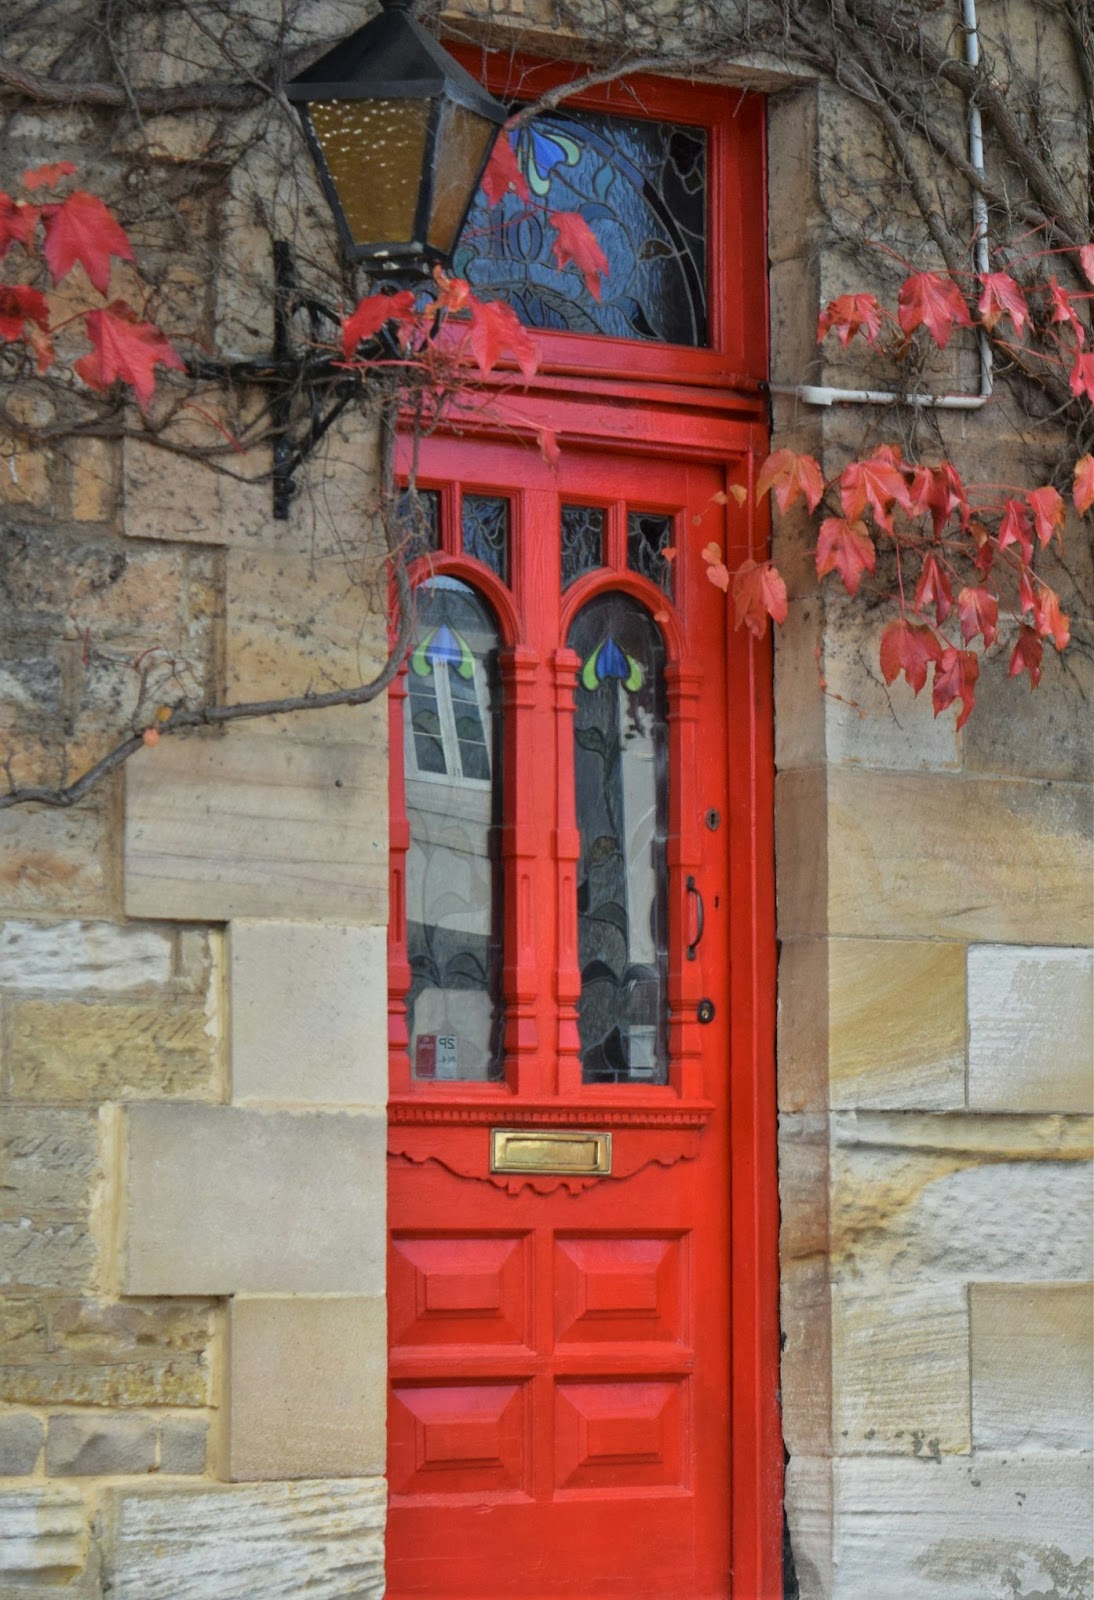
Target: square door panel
<point>459,1290</point>
<point>624,1433</point>
<point>619,1287</point>
<point>458,1438</point>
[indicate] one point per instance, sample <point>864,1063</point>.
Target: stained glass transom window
<point>641,187</point>
<point>582,533</point>
<point>453,868</point>
<point>486,531</point>
<point>621,793</point>
<point>649,535</point>
<point>419,518</point>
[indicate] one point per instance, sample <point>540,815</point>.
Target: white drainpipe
<point>813,394</point>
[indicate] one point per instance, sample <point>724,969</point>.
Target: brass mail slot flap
<point>569,1150</point>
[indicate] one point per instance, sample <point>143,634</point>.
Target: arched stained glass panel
<point>621,784</point>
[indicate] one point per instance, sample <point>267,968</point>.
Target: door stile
<point>685,979</point>
<point>399,974</point>
<point>567,851</point>
<point>523,870</point>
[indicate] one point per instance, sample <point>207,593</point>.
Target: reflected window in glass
<point>582,534</point>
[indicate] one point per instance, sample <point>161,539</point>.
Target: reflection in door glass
<point>453,871</point>
<point>621,781</point>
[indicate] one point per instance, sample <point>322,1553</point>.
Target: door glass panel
<point>486,531</point>
<point>621,783</point>
<point>582,541</point>
<point>419,518</point>
<point>641,188</point>
<point>649,535</point>
<point>453,871</point>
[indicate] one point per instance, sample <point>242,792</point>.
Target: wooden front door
<point>574,899</point>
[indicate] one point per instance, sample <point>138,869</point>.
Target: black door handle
<point>692,888</point>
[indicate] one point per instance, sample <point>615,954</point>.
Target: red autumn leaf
<point>908,647</point>
<point>929,300</point>
<point>758,593</point>
<point>717,571</point>
<point>576,242</point>
<point>17,223</point>
<point>940,491</point>
<point>1048,619</point>
<point>494,329</point>
<point>1048,512</point>
<point>849,314</point>
<point>1026,597</point>
<point>978,611</point>
<point>1027,657</point>
<point>49,176</point>
<point>126,350</point>
<point>453,294</point>
<point>1063,310</point>
<point>81,229</point>
<point>877,483</point>
<point>1086,261</point>
<point>933,589</point>
<point>1002,297</point>
<point>847,548</point>
<point>1015,528</point>
<point>955,675</point>
<point>1082,376</point>
<point>790,475</point>
<point>20,304</point>
<point>1083,491</point>
<point>372,313</point>
<point>502,173</point>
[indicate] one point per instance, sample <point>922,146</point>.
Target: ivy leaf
<point>496,328</point>
<point>372,313</point>
<point>1015,528</point>
<point>790,475</point>
<point>17,223</point>
<point>908,647</point>
<point>846,547</point>
<point>1082,376</point>
<point>978,611</point>
<point>877,483</point>
<point>502,173</point>
<point>933,589</point>
<point>929,300</point>
<point>1083,491</point>
<point>1002,297</point>
<point>1049,621</point>
<point>940,491</point>
<point>20,304</point>
<point>849,314</point>
<point>1064,311</point>
<point>1027,657</point>
<point>576,242</point>
<point>955,675</point>
<point>81,229</point>
<point>126,350</point>
<point>717,571</point>
<point>1048,512</point>
<point>49,176</point>
<point>758,593</point>
<point>1086,261</point>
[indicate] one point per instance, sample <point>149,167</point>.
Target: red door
<point>574,1025</point>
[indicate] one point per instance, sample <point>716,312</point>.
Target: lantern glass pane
<point>374,151</point>
<point>463,139</point>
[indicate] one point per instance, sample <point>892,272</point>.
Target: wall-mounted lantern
<point>400,134</point>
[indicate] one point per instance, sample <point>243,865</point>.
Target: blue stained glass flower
<point>443,647</point>
<point>608,660</point>
<point>538,153</point>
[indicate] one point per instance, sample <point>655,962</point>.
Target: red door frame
<point>705,405</point>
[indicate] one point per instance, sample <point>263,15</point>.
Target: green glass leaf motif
<point>609,661</point>
<point>443,645</point>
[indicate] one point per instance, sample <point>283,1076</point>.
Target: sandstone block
<point>57,862</point>
<point>66,1352</point>
<point>93,490</point>
<point>184,1445</point>
<point>1018,733</point>
<point>21,1435</point>
<point>794,285</point>
<point>43,1534</point>
<point>305,998</point>
<point>901,1371</point>
<point>84,1051</point>
<point>802,867</point>
<point>225,1200</point>
<point>805,1317</point>
<point>25,475</point>
<point>800,715</point>
<point>809,1510</point>
<point>803,1025</point>
<point>166,498</point>
<point>277,1541</point>
<point>1031,1029</point>
<point>791,178</point>
<point>249,826</point>
<point>995,1526</point>
<point>44,1254</point>
<point>48,1159</point>
<point>76,957</point>
<point>1032,1382</point>
<point>323,1417</point>
<point>180,1381</point>
<point>83,1445</point>
<point>897,1019</point>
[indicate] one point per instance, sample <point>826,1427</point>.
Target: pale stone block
<point>184,1445</point>
<point>93,491</point>
<point>994,1527</point>
<point>799,697</point>
<point>1019,732</point>
<point>1031,1029</point>
<point>83,1051</point>
<point>166,497</point>
<point>318,1417</point>
<point>803,1025</point>
<point>75,957</point>
<point>87,1445</point>
<point>809,1506</point>
<point>43,1534</point>
<point>1032,1373</point>
<point>948,1199</point>
<point>897,1020</point>
<point>225,1200</point>
<point>248,826</point>
<point>21,1435</point>
<point>801,826</point>
<point>936,857</point>
<point>40,1254</point>
<point>57,862</point>
<point>277,1541</point>
<point>795,285</point>
<point>792,174</point>
<point>900,1363</point>
<point>307,1001</point>
<point>805,1318</point>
